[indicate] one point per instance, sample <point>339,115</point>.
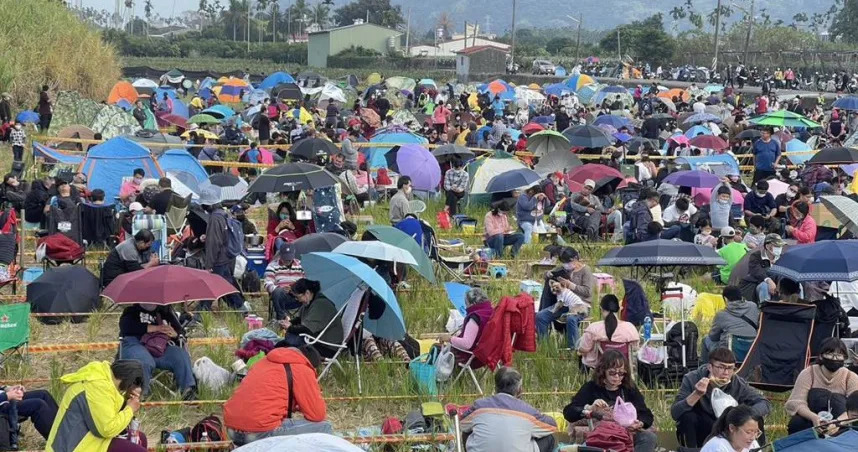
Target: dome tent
<point>108,163</point>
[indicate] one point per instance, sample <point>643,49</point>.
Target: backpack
<point>250,281</point>
<point>635,303</point>
<point>674,343</point>
<point>213,427</point>
<point>235,238</point>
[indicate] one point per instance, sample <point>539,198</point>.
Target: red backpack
<point>610,436</point>
<point>212,426</point>
<point>58,247</point>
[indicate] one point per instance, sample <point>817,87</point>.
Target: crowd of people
<point>735,217</point>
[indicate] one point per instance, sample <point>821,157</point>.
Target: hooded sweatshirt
<point>260,402</point>
<point>729,321</point>
<point>91,412</point>
<point>738,388</point>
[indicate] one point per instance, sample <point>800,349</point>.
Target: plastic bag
<point>625,413</point>
<point>210,374</point>
<point>650,354</point>
<point>445,364</point>
<point>721,400</point>
<point>454,321</point>
<point>444,221</point>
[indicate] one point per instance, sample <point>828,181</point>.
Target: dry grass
<point>43,43</point>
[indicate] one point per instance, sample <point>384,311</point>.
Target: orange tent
<point>230,92</point>
<point>122,90</point>
<point>675,92</point>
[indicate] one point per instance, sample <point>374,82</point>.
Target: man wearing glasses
<point>693,410</point>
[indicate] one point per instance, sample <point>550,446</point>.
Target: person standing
<point>45,110</point>
<point>766,152</point>
<point>218,257</point>
<point>18,139</point>
<point>455,183</point>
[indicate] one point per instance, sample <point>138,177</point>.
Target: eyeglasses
<point>755,433</point>
<point>834,356</point>
<point>724,368</point>
<point>616,373</point>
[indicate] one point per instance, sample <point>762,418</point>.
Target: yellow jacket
<point>89,415</point>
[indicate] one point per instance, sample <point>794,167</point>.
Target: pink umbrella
<point>167,284</point>
<point>702,196</point>
<point>777,187</point>
<point>679,139</point>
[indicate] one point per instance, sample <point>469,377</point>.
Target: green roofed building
<point>326,43</point>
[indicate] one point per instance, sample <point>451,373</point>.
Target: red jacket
<point>805,232</point>
<point>512,315</point>
<point>259,403</point>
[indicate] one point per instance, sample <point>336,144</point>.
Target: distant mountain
<point>598,15</point>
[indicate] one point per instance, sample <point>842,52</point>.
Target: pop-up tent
<point>122,90</point>
<point>180,160</point>
<point>275,79</point>
<point>108,163</point>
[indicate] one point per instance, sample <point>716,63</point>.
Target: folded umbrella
<point>167,284</point>
<point>828,260</point>
<point>292,177</point>
<point>661,253</point>
<point>395,237</point>
<point>340,276</point>
<point>319,241</point>
<point>513,180</point>
<point>693,178</point>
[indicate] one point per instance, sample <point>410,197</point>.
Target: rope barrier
<point>106,346</point>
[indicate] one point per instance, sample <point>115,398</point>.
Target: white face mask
<point>17,126</point>
<point>776,251</point>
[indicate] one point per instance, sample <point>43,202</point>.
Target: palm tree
<point>147,11</point>
<point>321,12</point>
<point>298,13</point>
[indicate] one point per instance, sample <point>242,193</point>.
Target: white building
<point>449,49</point>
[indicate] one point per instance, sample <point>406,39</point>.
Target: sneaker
<point>190,394</point>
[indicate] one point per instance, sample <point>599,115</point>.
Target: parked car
<point>543,67</point>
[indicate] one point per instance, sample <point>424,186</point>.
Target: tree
<point>299,14</point>
<point>321,14</point>
<point>845,24</point>
<point>380,12</point>
<point>556,45</point>
<point>644,40</point>
<point>147,11</point>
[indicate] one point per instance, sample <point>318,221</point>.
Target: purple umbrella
<point>416,162</point>
<point>693,178</point>
<point>623,137</point>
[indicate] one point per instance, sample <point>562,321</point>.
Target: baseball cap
<point>774,239</point>
<point>590,183</point>
<point>287,252</point>
<point>135,207</point>
<point>727,231</point>
<point>237,209</point>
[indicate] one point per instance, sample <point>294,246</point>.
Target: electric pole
<point>578,43</point>
<point>717,31</point>
<point>512,47</point>
<point>748,35</point>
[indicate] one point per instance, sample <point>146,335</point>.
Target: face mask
<point>136,181</point>
<point>722,201</point>
<point>408,190</point>
<point>761,194</point>
<point>284,216</point>
<point>148,307</point>
<point>17,126</point>
<point>569,266</point>
<point>777,251</point>
<point>832,365</point>
<point>791,194</point>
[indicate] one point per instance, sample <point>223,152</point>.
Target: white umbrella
<point>307,441</point>
<point>376,250</point>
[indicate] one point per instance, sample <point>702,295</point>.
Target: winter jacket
<point>512,315</point>
<point>730,321</point>
<point>90,413</point>
<point>757,272</point>
<point>641,218</point>
<point>217,237</point>
<point>259,404</point>
<point>738,388</point>
<point>35,201</point>
<point>805,231</point>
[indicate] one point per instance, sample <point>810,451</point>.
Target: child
<point>18,139</point>
<point>705,237</point>
<point>567,298</point>
<point>755,236</point>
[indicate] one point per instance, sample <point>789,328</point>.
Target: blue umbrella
<point>557,89</point>
<point>846,103</point>
<point>616,122</point>
<point>512,180</point>
<point>829,260</point>
<point>698,130</point>
<point>219,111</point>
<point>701,117</point>
<point>27,117</point>
<point>456,293</point>
<point>622,137</point>
<point>542,120</point>
<point>340,276</point>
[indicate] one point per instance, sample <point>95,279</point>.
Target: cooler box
<point>256,260</point>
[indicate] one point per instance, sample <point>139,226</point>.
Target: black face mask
<point>240,217</point>
<point>832,365</point>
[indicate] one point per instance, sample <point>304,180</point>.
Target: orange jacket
<point>259,403</point>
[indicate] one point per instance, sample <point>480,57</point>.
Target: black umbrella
<point>320,241</point>
<point>637,143</point>
<point>224,179</point>
<point>288,91</point>
<point>69,288</point>
<point>311,148</point>
<point>292,177</point>
<point>749,134</point>
<point>587,136</point>
<point>661,253</point>
<point>450,152</point>
<point>835,156</point>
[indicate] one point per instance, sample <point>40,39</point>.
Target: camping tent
<point>71,109</point>
<point>484,168</point>
<point>181,160</point>
<point>52,155</point>
<point>122,90</point>
<point>275,79</point>
<point>391,135</point>
<point>108,163</point>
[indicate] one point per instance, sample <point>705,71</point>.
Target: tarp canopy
<point>108,163</point>
<point>181,160</point>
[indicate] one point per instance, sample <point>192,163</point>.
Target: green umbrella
<point>203,119</point>
<point>395,237</point>
<point>784,118</point>
<point>546,142</point>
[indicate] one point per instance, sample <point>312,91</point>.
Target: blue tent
<point>124,104</point>
<point>275,79</point>
<point>375,155</point>
<point>557,89</point>
<point>168,90</point>
<point>208,82</point>
<point>106,164</point>
<point>180,109</point>
<point>53,155</point>
<point>181,160</point>
<point>205,93</point>
<point>254,96</point>
<point>721,164</point>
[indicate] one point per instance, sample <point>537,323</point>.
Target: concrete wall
<point>366,36</point>
<point>318,49</point>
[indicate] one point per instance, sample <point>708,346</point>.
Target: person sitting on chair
<point>499,234</point>
<point>821,387</point>
<point>151,334</point>
<point>739,318</point>
<point>611,329</point>
<point>400,205</point>
<point>128,190</point>
<point>478,311</point>
<point>692,409</point>
<point>260,406</point>
<point>318,318</point>
<point>505,422</point>
<point>280,275</point>
<point>595,400</point>
<point>737,430</point>
<point>572,289</point>
<point>131,255</point>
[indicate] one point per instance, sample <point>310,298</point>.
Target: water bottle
<point>205,437</point>
<point>134,431</point>
<point>647,328</point>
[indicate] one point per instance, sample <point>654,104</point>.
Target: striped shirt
<point>279,275</point>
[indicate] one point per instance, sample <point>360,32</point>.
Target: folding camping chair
<point>177,210</point>
<point>9,277</point>
<point>160,377</point>
<point>157,224</point>
<point>740,345</point>
<point>14,331</point>
<point>351,316</point>
<point>98,224</point>
<point>441,251</point>
<point>466,367</point>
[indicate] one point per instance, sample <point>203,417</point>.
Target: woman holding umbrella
<point>314,318</point>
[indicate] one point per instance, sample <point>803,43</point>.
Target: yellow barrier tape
<point>101,346</point>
